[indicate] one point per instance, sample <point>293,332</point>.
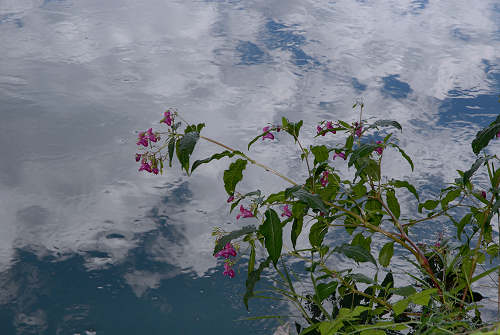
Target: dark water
<point>88,244</point>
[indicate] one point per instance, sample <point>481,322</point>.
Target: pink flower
<point>228,271</point>
<point>286,212</point>
<point>319,129</point>
<point>268,135</point>
<point>358,129</point>
<point>278,128</point>
<point>324,178</point>
<point>340,154</point>
<point>146,167</point>
<point>498,134</point>
<point>329,125</point>
<point>245,213</point>
<point>155,170</point>
<point>167,118</point>
<point>379,149</point>
<point>230,199</point>
<point>483,194</point>
<point>137,157</point>
<point>227,251</point>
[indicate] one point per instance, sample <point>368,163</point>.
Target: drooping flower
<point>230,199</point>
<point>319,129</point>
<point>379,149</point>
<point>329,125</point>
<point>137,157</point>
<point>358,129</point>
<point>228,271</point>
<point>286,212</point>
<point>167,118</point>
<point>142,139</point>
<point>339,154</point>
<point>145,166</point>
<point>155,170</point>
<point>268,135</point>
<point>324,178</point>
<point>498,134</point>
<point>227,251</point>
<point>245,213</point>
<point>483,194</point>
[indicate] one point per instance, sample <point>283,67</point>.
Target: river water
<point>88,245</point>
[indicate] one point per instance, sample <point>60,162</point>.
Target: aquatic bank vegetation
<point>338,298</point>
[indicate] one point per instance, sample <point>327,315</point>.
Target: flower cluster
<point>167,118</point>
<point>286,212</point>
<point>358,129</point>
<point>146,136</point>
<point>380,148</point>
<point>150,167</point>
<point>244,213</point>
<point>328,126</point>
<point>226,253</point>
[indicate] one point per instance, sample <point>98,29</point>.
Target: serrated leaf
<point>317,233</point>
<point>404,291</point>
<point>403,153</point>
<point>312,200</point>
<point>363,150</point>
<point>349,142</point>
<point>233,175</point>
<point>450,196</point>
<point>320,153</point>
<point>252,279</point>
<point>275,197</point>
<point>386,123</point>
<point>429,205</point>
<point>422,298</point>
<point>484,136</point>
<point>296,230</point>
<point>221,243</point>
<point>272,231</point>
<point>468,174</point>
<point>361,278</point>
<point>324,290</point>
<point>407,185</point>
<point>386,253</point>
<point>217,156</point>
<point>357,253</point>
<point>184,148</point>
<point>171,150</point>
<point>400,306</point>
<point>392,203</point>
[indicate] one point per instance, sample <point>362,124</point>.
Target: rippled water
<point>88,244</point>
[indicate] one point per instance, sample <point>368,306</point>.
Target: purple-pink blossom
<point>379,149</point>
<point>286,212</point>
<point>324,178</point>
<point>228,271</point>
<point>245,213</point>
<point>230,199</point>
<point>145,166</point>
<point>320,129</point>
<point>483,194</point>
<point>142,139</point>
<point>268,135</point>
<point>167,118</point>
<point>358,129</point>
<point>339,154</point>
<point>155,170</point>
<point>227,251</point>
<point>137,157</point>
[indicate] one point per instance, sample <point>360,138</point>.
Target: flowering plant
<point>440,297</point>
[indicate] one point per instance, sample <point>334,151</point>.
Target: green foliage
<point>184,148</point>
<point>234,175</point>
<point>272,231</point>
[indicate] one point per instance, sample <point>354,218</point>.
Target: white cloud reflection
<point>81,75</point>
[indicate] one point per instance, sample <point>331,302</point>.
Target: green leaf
<point>217,156</point>
<point>429,205</point>
<point>400,306</point>
<point>393,203</point>
<point>405,184</point>
<point>361,278</point>
<point>403,153</point>
<point>362,151</point>
<point>184,148</point>
<point>317,233</point>
<point>251,260</point>
<point>372,332</point>
<point>275,197</point>
<point>320,153</point>
<point>356,252</point>
<point>484,136</point>
<point>296,230</point>
<point>312,200</point>
<point>171,149</point>
<point>404,291</point>
<point>422,298</point>
<point>385,123</point>
<point>324,290</point>
<point>221,243</point>
<point>450,196</point>
<point>273,234</point>
<point>468,174</point>
<point>386,253</point>
<point>233,175</point>
<point>349,143</point>
<point>252,279</point>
